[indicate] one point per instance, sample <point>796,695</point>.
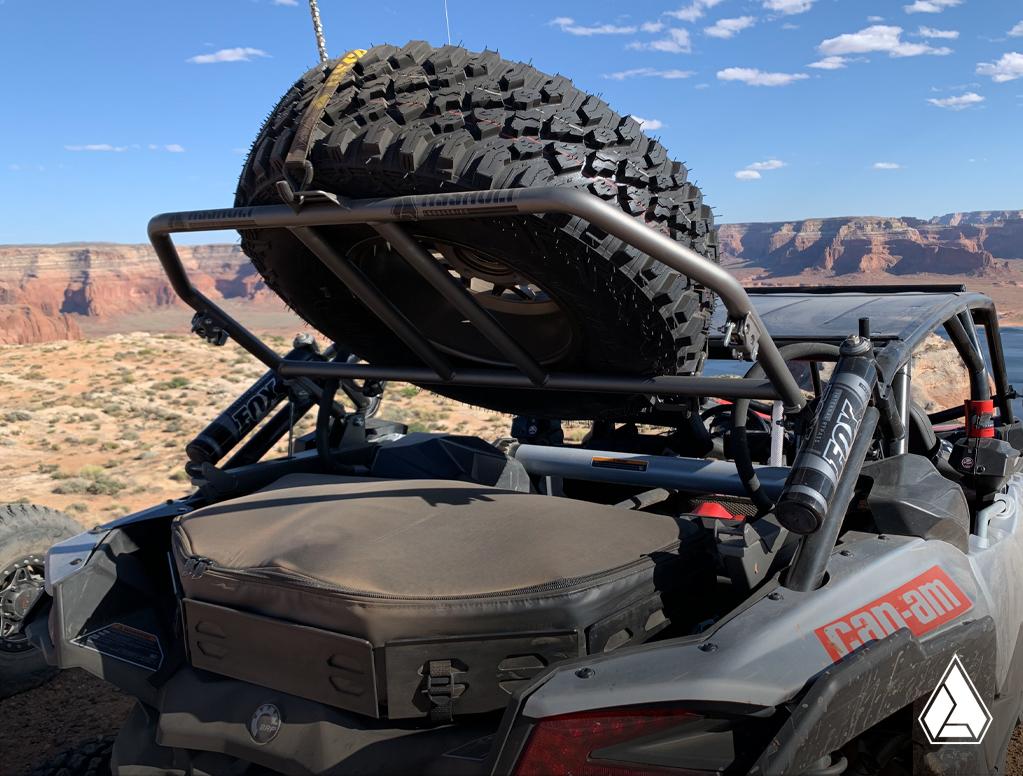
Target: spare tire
<point>419,119</point>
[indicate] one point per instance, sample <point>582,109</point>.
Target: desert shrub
<point>177,381</point>
<point>92,480</point>
<point>17,416</point>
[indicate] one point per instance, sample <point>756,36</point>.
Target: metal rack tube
<point>502,203</point>
<point>370,296</point>
<point>461,300</point>
<point>680,385</point>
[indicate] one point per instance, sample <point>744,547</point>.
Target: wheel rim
<point>528,311</point>
<point>21,585</point>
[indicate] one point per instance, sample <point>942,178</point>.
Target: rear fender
<point>779,648</point>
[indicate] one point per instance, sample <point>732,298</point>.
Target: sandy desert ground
<point>97,427</point>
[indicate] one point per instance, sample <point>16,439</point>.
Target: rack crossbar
<point>668,385</point>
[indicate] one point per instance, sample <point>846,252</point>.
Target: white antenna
<point>447,21</point>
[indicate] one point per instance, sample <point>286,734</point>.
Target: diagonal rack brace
<point>383,214</point>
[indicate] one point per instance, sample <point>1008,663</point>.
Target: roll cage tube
<point>969,352</point>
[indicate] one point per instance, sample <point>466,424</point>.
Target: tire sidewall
<point>28,531</point>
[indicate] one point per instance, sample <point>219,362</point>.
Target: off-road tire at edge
<point>90,758</point>
<point>420,119</point>
<point>27,531</point>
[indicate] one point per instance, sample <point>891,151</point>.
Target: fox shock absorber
<point>822,459</point>
<point>247,411</point>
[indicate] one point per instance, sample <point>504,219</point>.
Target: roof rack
<point>308,212</point>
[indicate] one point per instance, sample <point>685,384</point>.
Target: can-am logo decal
<point>955,713</point>
<point>924,603</point>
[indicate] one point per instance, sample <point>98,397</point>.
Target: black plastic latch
<point>442,690</point>
<point>208,328</point>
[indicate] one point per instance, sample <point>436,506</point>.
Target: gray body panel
<point>765,654</point>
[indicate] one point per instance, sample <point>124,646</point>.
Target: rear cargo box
<point>413,598</point>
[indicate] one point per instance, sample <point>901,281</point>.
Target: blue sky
<point>111,111</point>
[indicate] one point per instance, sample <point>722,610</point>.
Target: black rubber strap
<point>297,160</point>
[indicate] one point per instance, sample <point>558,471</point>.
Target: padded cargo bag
<point>413,598</point>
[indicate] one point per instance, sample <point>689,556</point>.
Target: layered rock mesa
<point>974,243</point>
<point>45,288</point>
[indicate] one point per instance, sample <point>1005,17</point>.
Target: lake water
<point>1012,344</point>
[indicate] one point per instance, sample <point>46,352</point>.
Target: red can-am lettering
<point>922,604</point>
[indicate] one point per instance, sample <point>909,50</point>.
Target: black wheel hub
<point>21,587</point>
<point>525,309</point>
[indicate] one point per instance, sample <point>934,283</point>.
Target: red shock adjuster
<point>980,418</point>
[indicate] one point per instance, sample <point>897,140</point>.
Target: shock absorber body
<point>248,410</point>
<point>824,454</point>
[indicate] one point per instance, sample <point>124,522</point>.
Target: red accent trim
<point>716,511</point>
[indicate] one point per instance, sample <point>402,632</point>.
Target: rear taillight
<point>565,745</point>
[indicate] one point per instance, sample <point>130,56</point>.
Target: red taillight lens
<point>562,746</point>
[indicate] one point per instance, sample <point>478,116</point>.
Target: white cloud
<point>962,102</point>
<point>695,10</point>
<point>96,147</point>
<point>752,172</point>
<point>568,24</point>
<point>887,166</point>
<point>648,72</point>
<point>1008,68</point>
<point>788,6</point>
<point>770,164</point>
<point>930,32</point>
<point>875,19</point>
<point>174,148</point>
<point>878,37</point>
<point>1017,31</point>
<point>677,42</point>
<point>242,54</point>
<point>829,63</point>
<point>652,26</point>
<point>727,28</point>
<point>754,77</point>
<point>285,2</point>
<point>649,124</point>
<point>930,6</point>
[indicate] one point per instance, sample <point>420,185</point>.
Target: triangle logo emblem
<point>955,713</point>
